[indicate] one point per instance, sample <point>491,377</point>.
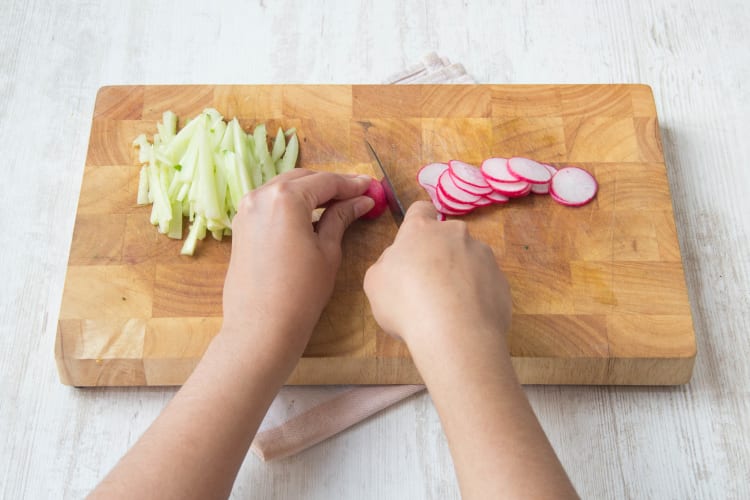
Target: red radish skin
<point>454,205</point>
<point>512,189</point>
<point>468,173</point>
<point>544,188</point>
<point>376,191</point>
<point>573,186</point>
<point>432,191</point>
<point>496,169</point>
<point>483,202</point>
<point>528,170</point>
<point>469,188</point>
<point>451,191</point>
<point>496,197</point>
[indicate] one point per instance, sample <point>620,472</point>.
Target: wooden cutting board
<point>599,294</point>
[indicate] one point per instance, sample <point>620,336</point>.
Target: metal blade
<point>394,204</point>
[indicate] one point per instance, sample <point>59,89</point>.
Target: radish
<point>573,186</point>
<point>429,174</point>
<point>432,191</point>
<point>468,173</point>
<point>376,191</point>
<point>483,202</point>
<point>453,192</point>
<point>528,170</point>
<point>496,169</point>
<point>544,188</point>
<point>496,197</point>
<point>457,188</point>
<point>454,205</point>
<point>511,189</point>
<point>469,188</point>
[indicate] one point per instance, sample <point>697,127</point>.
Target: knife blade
<point>394,203</point>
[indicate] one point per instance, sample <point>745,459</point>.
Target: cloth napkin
<point>302,416</point>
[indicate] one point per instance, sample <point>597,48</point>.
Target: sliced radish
<point>573,186</point>
<point>496,169</point>
<point>441,217</point>
<point>467,173</point>
<point>429,174</point>
<point>483,202</point>
<point>453,192</point>
<point>470,188</point>
<point>496,197</point>
<point>432,191</point>
<point>543,188</point>
<point>512,189</point>
<point>528,170</point>
<point>456,206</point>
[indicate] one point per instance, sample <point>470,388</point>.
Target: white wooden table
<point>685,442</point>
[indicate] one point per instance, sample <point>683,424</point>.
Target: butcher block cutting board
<point>599,293</point>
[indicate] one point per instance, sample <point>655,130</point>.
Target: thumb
<point>339,215</point>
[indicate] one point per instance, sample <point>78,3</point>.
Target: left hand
<point>282,270</point>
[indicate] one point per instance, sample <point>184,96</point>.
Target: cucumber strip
<point>144,148</point>
<point>261,152</point>
<point>169,119</point>
<point>232,171</point>
<point>143,187</point>
<point>279,144</point>
<point>175,226</point>
<point>228,231</point>
<point>198,227</point>
<point>177,146</point>
<point>218,234</point>
<point>242,158</point>
<point>290,132</point>
<point>289,159</point>
<point>183,192</point>
<point>253,167</point>
<point>161,202</point>
<point>207,197</point>
<point>227,142</point>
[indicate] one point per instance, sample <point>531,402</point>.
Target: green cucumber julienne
<point>203,170</point>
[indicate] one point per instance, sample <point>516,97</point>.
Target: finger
<point>323,187</point>
<point>290,175</point>
<point>340,215</point>
<point>421,210</point>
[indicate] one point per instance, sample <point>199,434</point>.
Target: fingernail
<point>365,177</point>
<point>363,205</point>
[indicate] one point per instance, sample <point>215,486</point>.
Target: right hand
<point>436,283</point>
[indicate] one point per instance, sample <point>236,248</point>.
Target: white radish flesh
<point>573,186</point>
<point>528,170</point>
<point>453,192</point>
<point>496,169</point>
<point>544,188</point>
<point>469,188</point>
<point>512,189</point>
<point>429,174</point>
<point>467,173</point>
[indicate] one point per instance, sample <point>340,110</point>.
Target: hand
<point>282,270</point>
<point>437,280</point>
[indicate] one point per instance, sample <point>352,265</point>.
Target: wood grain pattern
<point>599,291</point>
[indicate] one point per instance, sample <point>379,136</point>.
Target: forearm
<point>497,444</point>
<point>196,446</point>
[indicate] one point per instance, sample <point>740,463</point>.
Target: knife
<point>394,204</point>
